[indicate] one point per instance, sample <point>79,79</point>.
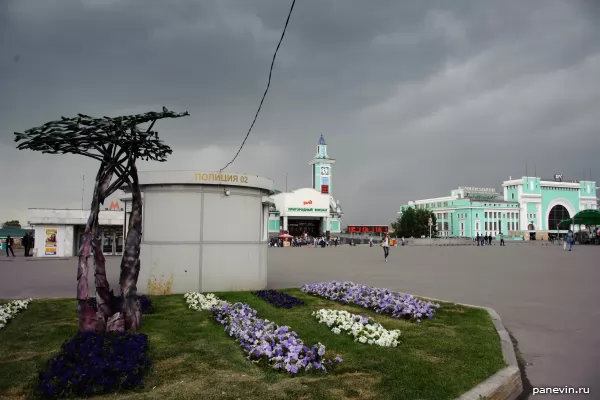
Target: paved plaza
<point>548,298</point>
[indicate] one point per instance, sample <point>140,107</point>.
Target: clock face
<point>324,171</point>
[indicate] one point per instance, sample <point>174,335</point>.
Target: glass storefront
<point>111,239</point>
<point>297,227</point>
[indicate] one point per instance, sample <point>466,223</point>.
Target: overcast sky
<point>414,98</point>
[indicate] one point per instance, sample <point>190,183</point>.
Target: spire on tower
<point>322,140</point>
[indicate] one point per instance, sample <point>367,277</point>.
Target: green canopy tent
<point>585,217</point>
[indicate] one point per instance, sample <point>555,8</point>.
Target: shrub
<point>146,306</point>
<point>278,299</point>
<point>95,363</point>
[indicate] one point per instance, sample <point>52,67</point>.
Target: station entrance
<point>311,226</point>
<point>111,239</point>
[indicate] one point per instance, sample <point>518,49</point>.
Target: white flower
<point>199,302</point>
<point>10,310</point>
<point>362,329</point>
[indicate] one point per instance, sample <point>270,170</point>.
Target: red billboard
<point>325,189</point>
<point>368,229</point>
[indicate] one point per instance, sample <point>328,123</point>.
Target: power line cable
<point>266,89</point>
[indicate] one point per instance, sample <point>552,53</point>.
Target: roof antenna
<point>535,170</point>
<point>526,173</point>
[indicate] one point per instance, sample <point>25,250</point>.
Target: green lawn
<point>193,358</point>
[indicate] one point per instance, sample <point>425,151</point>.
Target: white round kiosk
<point>202,231</point>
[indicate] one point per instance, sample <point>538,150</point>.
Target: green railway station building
<point>527,208</point>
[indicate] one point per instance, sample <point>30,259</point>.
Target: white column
<point>523,220</point>
<point>539,218</point>
<point>285,223</point>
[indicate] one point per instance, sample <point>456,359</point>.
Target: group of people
<point>305,240</point>
<point>27,242</point>
<point>483,240</point>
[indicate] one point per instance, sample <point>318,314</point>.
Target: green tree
<point>414,223</point>
<point>12,224</point>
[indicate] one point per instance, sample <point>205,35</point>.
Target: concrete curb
<point>505,384</point>
<point>45,258</point>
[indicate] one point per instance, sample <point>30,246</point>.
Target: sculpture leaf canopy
<point>92,137</point>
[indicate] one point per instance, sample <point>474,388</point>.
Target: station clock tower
<point>321,168</point>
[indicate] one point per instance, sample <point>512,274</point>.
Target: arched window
<point>557,213</point>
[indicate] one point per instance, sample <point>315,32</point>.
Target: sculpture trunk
<point>85,312</point>
<point>90,319</point>
<point>130,264</point>
<point>104,296</point>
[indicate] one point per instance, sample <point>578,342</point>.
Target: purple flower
<point>382,301</point>
<point>279,346</point>
<point>104,362</point>
<point>278,299</point>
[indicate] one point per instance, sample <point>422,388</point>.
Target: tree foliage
<point>12,224</point>
<point>414,223</point>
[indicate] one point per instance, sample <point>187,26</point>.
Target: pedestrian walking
<point>502,239</point>
<point>570,239</point>
<point>9,246</point>
<point>386,246</point>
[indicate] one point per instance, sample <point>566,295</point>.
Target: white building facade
<point>314,210</point>
<point>59,232</point>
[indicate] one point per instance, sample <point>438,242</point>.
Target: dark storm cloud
<point>415,98</point>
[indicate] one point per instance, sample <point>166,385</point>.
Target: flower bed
<point>278,299</point>
<point>263,340</point>
<point>10,310</point>
<point>363,329</point>
<point>95,363</point>
<point>383,301</point>
<point>200,302</point>
<point>145,303</point>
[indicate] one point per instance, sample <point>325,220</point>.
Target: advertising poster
<point>50,242</point>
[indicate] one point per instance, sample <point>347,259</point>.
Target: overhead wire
<point>266,89</point>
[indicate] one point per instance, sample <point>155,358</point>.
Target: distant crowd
<point>305,240</point>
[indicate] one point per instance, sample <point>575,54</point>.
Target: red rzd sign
<point>368,228</point>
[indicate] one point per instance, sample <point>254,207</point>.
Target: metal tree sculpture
<point>117,143</point>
